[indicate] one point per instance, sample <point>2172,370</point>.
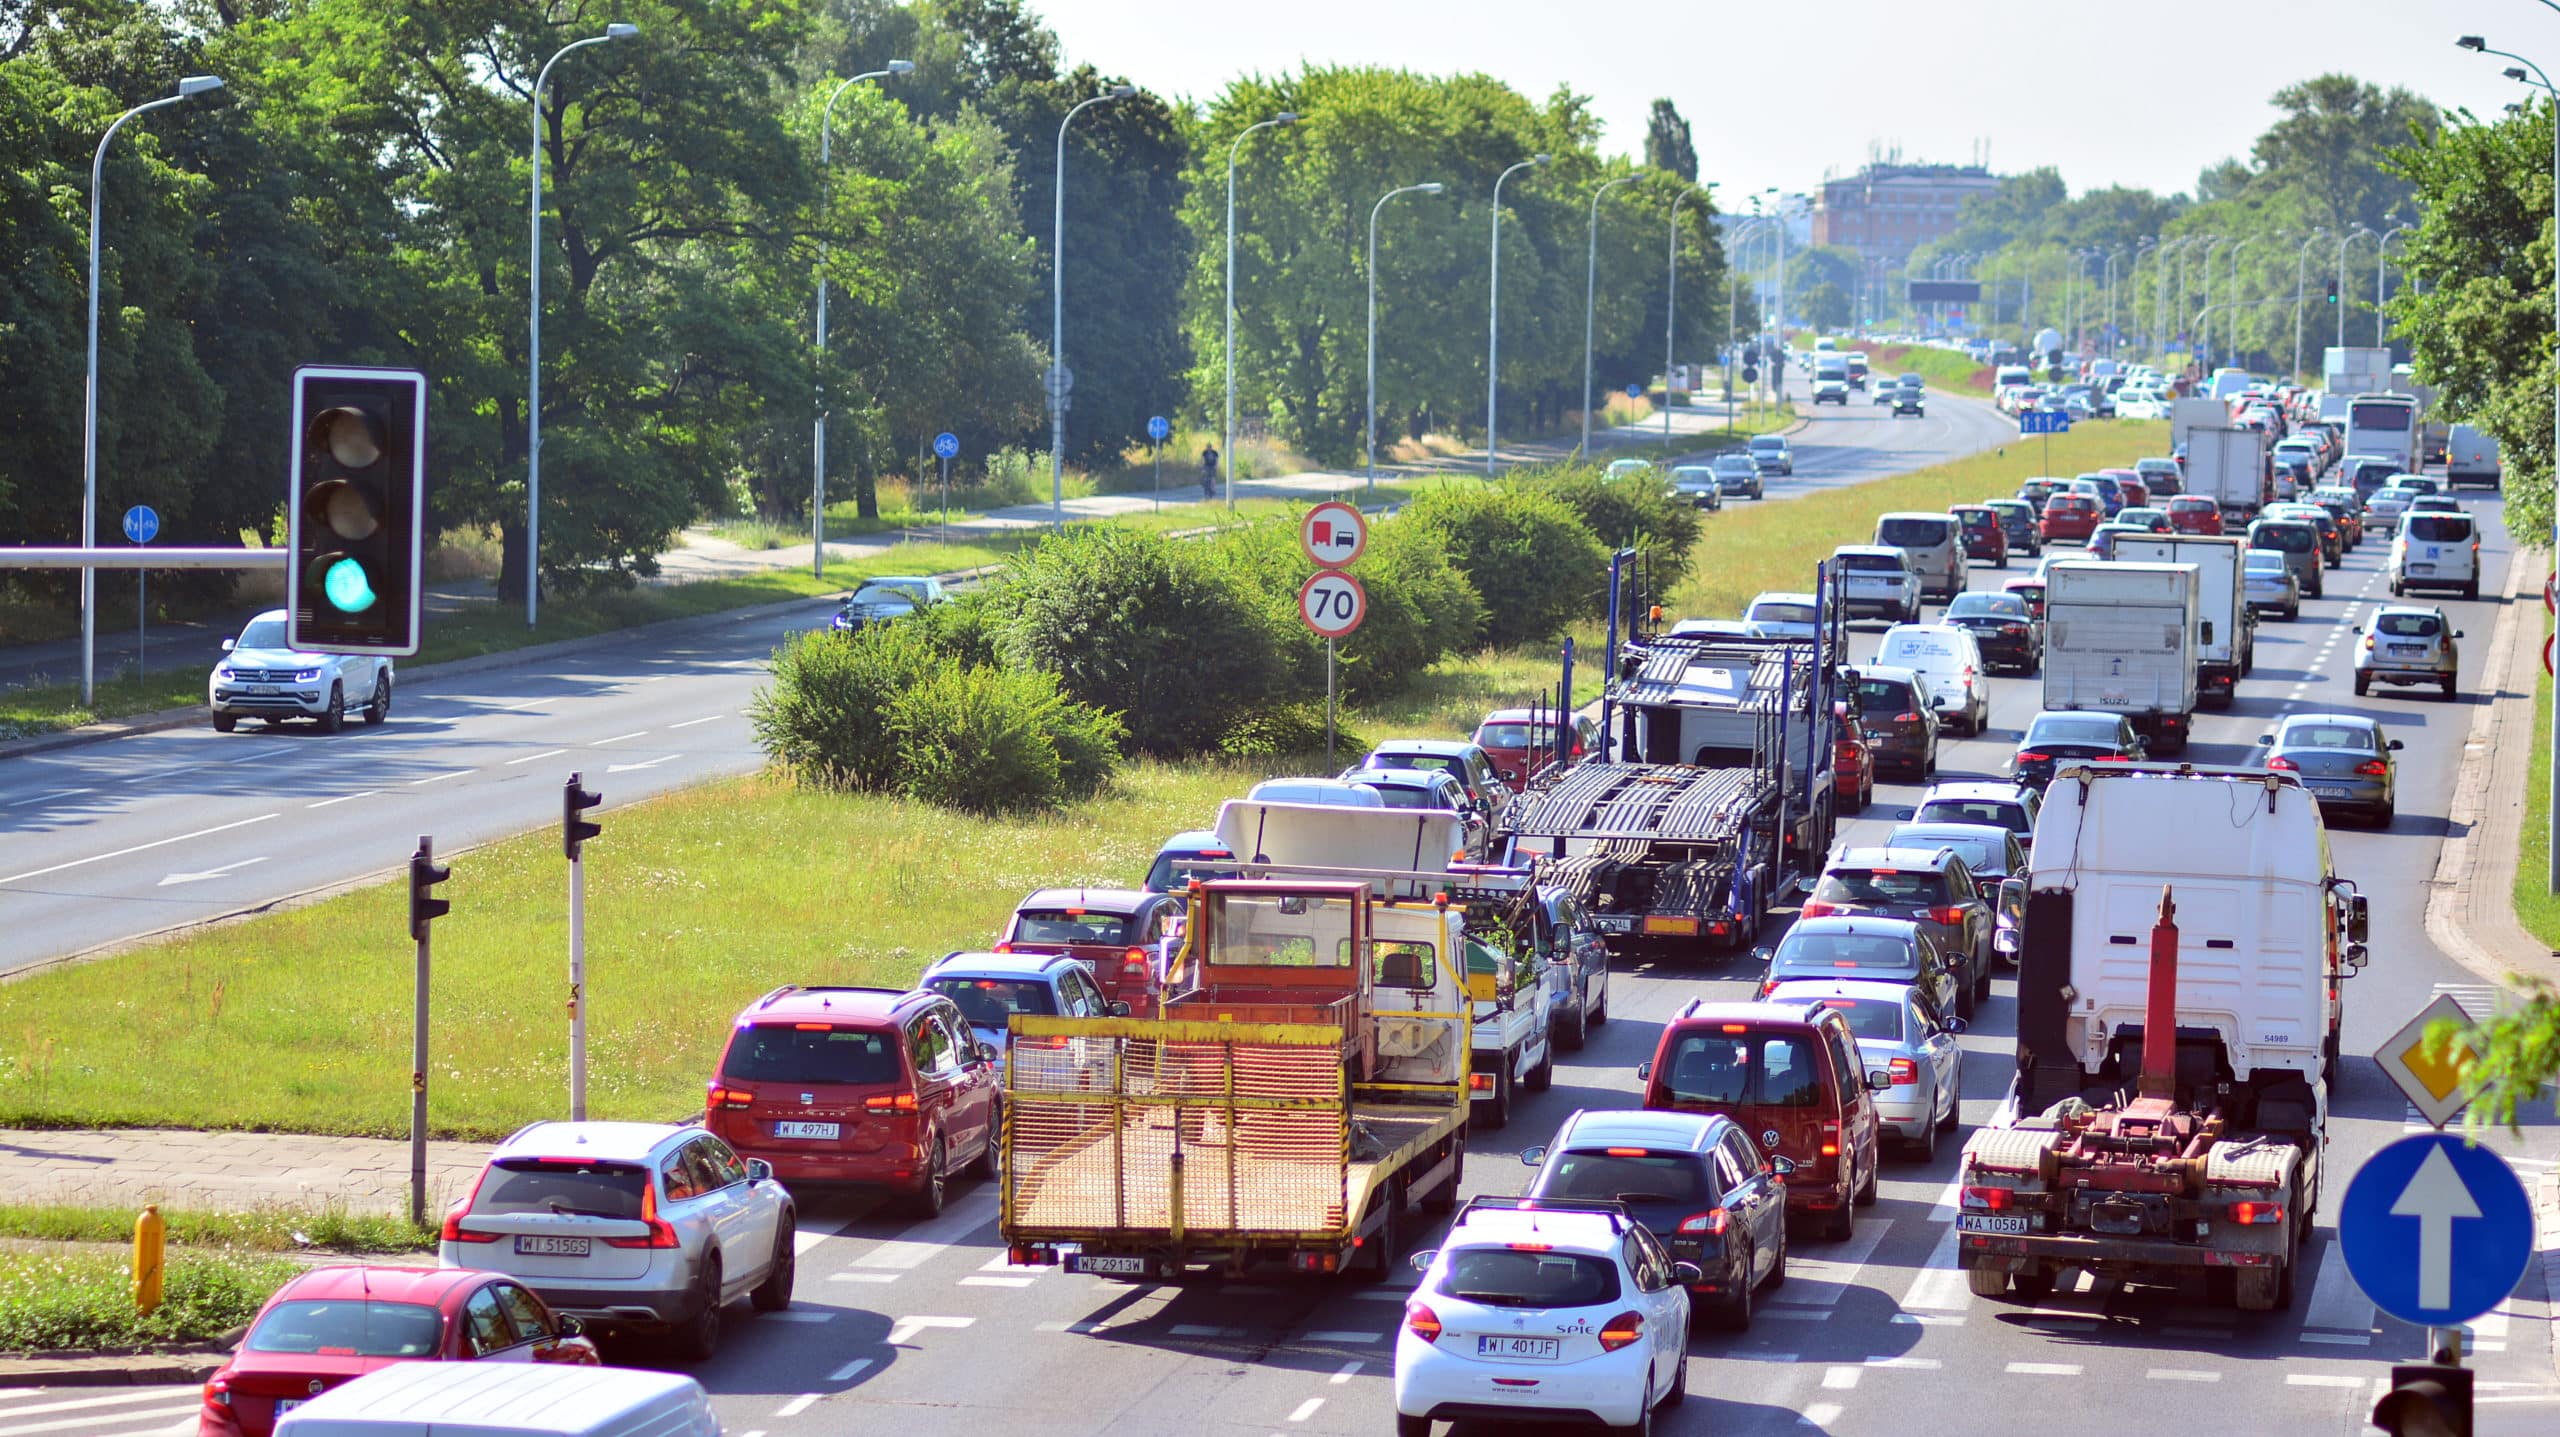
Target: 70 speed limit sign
<point>1332,603</point>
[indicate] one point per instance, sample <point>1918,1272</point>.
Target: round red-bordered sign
<point>1332,603</point>
<point>1333,534</point>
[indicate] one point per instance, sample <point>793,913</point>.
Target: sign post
<point>1332,603</point>
<point>141,525</point>
<point>945,445</point>
<point>2037,421</point>
<point>1157,428</point>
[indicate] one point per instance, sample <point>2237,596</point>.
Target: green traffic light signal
<point>348,587</point>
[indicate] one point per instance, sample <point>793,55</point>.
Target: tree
<point>1823,304</point>
<point>2331,148</point>
<point>1666,141</point>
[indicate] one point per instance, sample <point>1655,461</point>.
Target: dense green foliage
<point>1533,562</point>
<point>70,1300</point>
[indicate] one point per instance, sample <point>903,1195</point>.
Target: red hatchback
<point>1115,931</point>
<point>1984,539</point>
<point>334,1324</point>
<point>2195,514</point>
<point>872,1087</point>
<point>2137,491</point>
<point>2071,516</point>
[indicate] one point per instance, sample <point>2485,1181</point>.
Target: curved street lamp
<point>1671,299</point>
<point>1057,385</point>
<point>1493,319</point>
<point>1228,455</point>
<point>818,438</point>
<point>2316,235</point>
<point>2381,250</point>
<point>1369,414</point>
<point>1590,299</point>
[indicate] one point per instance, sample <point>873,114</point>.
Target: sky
<point>1781,92</point>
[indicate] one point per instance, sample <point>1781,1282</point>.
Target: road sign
<point>1058,380</point>
<point>2037,421</point>
<point>1333,603</point>
<point>2435,1231</point>
<point>1158,427</point>
<point>946,445</point>
<point>2434,1082</point>
<point>141,525</point>
<point>1635,391</point>
<point>1334,535</point>
<point>2551,594</point>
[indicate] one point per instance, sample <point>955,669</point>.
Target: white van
<point>2470,457</point>
<point>506,1399</point>
<point>1949,664</point>
<point>1935,543</point>
<point>2435,550</point>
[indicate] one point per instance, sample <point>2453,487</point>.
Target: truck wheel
<point>1986,1281</point>
<point>1499,1116</point>
<point>1445,1197</point>
<point>1580,1032</point>
<point>1381,1261</point>
<point>1543,1076</point>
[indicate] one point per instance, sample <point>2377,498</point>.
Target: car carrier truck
<point>1305,1083</point>
<point>2178,1006</point>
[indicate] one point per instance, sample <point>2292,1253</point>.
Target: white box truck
<point>2228,466</point>
<point>2470,457</point>
<point>2351,371</point>
<point>2226,628</point>
<point>2189,415</point>
<point>2121,638</point>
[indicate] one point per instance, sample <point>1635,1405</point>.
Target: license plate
<point>287,1404</point>
<point>1536,1349</point>
<point>2422,568</point>
<point>263,688</point>
<point>807,1130</point>
<point>1620,924</point>
<point>1108,1266</point>
<point>554,1246</point>
<point>2408,648</point>
<point>1986,1222</point>
<point>1687,927</point>
<point>2329,790</point>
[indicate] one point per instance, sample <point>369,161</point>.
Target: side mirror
<point>987,1051</point>
<point>2457,633</point>
<point>2357,957</point>
<point>2005,940</point>
<point>1878,1080</point>
<point>572,1327</point>
<point>1422,1260</point>
<point>1782,1167</point>
<point>1906,814</point>
<point>1644,1071</point>
<point>758,1170</point>
<point>226,645</point>
<point>1119,1008</point>
<point>1532,1157</point>
<point>1955,1027</point>
<point>2396,745</point>
<point>1687,1274</point>
<point>2359,918</point>
<point>1764,956</point>
<point>2013,892</point>
<point>2204,633</point>
<point>2267,739</point>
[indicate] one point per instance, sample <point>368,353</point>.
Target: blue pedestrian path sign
<point>2037,421</point>
<point>2436,1231</point>
<point>141,524</point>
<point>946,445</point>
<point>1158,427</point>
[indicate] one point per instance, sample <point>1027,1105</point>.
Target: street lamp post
<point>818,436</point>
<point>2232,341</point>
<point>533,337</point>
<point>1590,301</point>
<point>2381,250</point>
<point>1228,455</point>
<point>192,85</point>
<point>1057,385</point>
<point>1671,301</point>
<point>1369,414</point>
<point>1741,235</point>
<point>2344,240</point>
<point>1493,321</point>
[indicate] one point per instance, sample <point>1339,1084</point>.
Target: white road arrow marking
<point>243,863</point>
<point>628,767</point>
<point>2435,1197</point>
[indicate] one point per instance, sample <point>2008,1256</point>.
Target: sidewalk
<point>225,1172</point>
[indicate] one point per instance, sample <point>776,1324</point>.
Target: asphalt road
<point>923,1327</point>
<point>114,841</point>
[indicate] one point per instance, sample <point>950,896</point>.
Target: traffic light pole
<point>424,909</point>
<point>574,833</point>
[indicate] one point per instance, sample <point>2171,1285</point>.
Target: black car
<point>1888,950</point>
<point>2055,737</point>
<point>2002,627</point>
<point>1894,713</point>
<point>2160,476</point>
<point>2018,521</point>
<point>1695,1180</point>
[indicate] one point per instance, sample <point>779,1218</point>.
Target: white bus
<point>2385,425</point>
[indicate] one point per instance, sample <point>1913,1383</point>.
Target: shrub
<point>1162,631</point>
<point>824,718</point>
<point>1532,562</point>
<point>1421,609</point>
<point>1629,511</point>
<point>970,739</point>
<point>1287,731</point>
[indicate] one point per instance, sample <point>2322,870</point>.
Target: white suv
<point>639,1226</point>
<point>260,676</point>
<point>1544,1309</point>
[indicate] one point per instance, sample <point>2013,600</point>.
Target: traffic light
<point>2426,1399</point>
<point>424,874</point>
<point>356,509</point>
<point>2333,291</point>
<point>573,829</point>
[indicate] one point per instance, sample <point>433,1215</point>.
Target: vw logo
<point>1768,1137</point>
<point>317,1386</point>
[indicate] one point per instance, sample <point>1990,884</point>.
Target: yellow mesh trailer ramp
<point>1152,1145</point>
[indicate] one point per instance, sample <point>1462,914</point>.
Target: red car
<point>333,1324</point>
<point>1853,767</point>
<point>2195,514</point>
<point>2071,516</point>
<point>2030,589</point>
<point>1114,930</point>
<point>2137,491</point>
<point>1983,537</point>
<point>1522,741</point>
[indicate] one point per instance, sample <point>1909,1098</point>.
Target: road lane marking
<point>2044,1369</point>
<point>528,703</point>
<point>2320,1379</point>
<point>343,798</point>
<point>1941,1285</point>
<point>1825,1278</point>
<point>1346,1372</point>
<point>1841,1379</point>
<point>1821,1414</point>
<point>688,723</point>
<point>48,797</point>
<point>1307,1409</point>
<point>2181,1374</point>
<point>1344,1335</point>
<point>850,1370</point>
<point>531,757</point>
<point>90,1422</point>
<point>2337,1304</point>
<point>438,777</point>
<point>798,1405</point>
<point>617,738</point>
<point>862,1277</point>
<point>137,848</point>
<point>906,1328</point>
<point>996,1281</point>
<point>1905,1364</point>
<point>652,763</point>
<point>199,877</point>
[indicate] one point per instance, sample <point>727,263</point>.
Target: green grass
<point>2537,908</point>
<point>1944,369</point>
<point>53,1301</point>
<point>273,1229</point>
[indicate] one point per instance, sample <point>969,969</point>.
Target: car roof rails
<point>788,989</point>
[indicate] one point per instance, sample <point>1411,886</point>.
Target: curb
<point>2470,915</point>
<point>137,1369</point>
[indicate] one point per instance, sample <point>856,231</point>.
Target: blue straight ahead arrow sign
<point>2436,1231</point>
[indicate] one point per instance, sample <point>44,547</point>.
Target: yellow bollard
<point>150,1253</point>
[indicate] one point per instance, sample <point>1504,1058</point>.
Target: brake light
<point>1004,947</point>
<point>890,1103</point>
<point>1711,1222</point>
<point>2368,641</point>
<point>2257,1212</point>
<point>1621,1330</point>
<point>1532,1247</point>
<point>813,1027</point>
<point>1626,1152</point>
<point>1905,1072</point>
<point>1831,1150</point>
<point>2281,762</point>
<point>2373,768</point>
<point>1949,914</point>
<point>720,1097</point>
<point>660,1233</point>
<point>1133,958</point>
<point>1733,1027</point>
<point>2028,755</point>
<point>1911,717</point>
<point>1422,1322</point>
<point>1816,908</point>
<point>1995,1199</point>
<point>1479,1082</point>
<point>218,1390</point>
<point>452,1229</point>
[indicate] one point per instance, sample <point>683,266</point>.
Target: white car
<point>1949,664</point>
<point>642,1226</point>
<point>261,677</point>
<point>1543,1310</point>
<point>1782,616</point>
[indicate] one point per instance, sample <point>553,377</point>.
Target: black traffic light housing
<point>2333,291</point>
<point>573,829</point>
<point>355,509</point>
<point>2427,1399</point>
<point>424,874</point>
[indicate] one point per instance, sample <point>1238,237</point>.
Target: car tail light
<point>1004,947</point>
<point>1911,717</point>
<point>2028,755</point>
<point>1711,1222</point>
<point>1479,1082</point>
<point>1816,908</point>
<point>1621,1330</point>
<point>720,1097</point>
<point>2281,762</point>
<point>1133,963</point>
<point>1422,1322</point>
<point>1831,1140</point>
<point>2368,641</point>
<point>218,1390</point>
<point>1994,1199</point>
<point>2257,1212</point>
<point>660,1233</point>
<point>890,1103</point>
<point>452,1229</point>
<point>1950,914</point>
<point>2373,768</point>
<point>1905,1072</point>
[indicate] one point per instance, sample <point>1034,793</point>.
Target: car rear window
<point>1748,1069</point>
<point>1780,613</point>
<point>988,1002</point>
<point>1445,763</point>
<point>1981,605</point>
<point>2327,735</point>
<point>1905,886</point>
<point>2409,626</point>
<point>1624,1175</point>
<point>1876,1018</point>
<point>1873,563</point>
<point>2073,502</point>
<point>1406,795</point>
<point>1878,696</point>
<point>349,1327</point>
<point>2072,729</point>
<point>1957,810</point>
<point>1066,925</point>
<point>1508,735</point>
<point>1913,533</point>
<point>2439,528</point>
<point>1172,870</point>
<point>814,1053</point>
<point>2293,538</point>
<point>1507,1277</point>
<point>561,1185</point>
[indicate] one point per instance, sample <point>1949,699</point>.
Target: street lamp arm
<point>1227,457</point>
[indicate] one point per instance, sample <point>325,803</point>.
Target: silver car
<point>1900,1036</point>
<point>2407,644</point>
<point>645,1226</point>
<point>1696,484</point>
<point>2267,578</point>
<point>2383,510</point>
<point>2345,760</point>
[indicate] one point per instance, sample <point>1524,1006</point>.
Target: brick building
<point>1885,211</point>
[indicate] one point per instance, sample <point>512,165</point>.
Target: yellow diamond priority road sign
<point>2433,1081</point>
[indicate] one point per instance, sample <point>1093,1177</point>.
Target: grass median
<point>299,1021</point>
<point>80,1300</point>
<point>2537,908</point>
